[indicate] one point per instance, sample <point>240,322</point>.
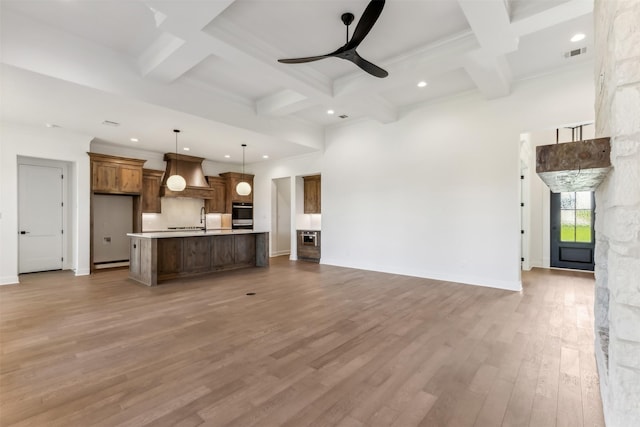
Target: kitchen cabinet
<point>234,251</point>
<point>196,254</point>
<point>159,256</point>
<point>223,252</point>
<point>151,180</point>
<point>308,245</point>
<point>312,194</point>
<point>218,204</point>
<point>134,256</point>
<point>232,180</point>
<point>115,175</point>
<point>245,249</point>
<point>169,257</point>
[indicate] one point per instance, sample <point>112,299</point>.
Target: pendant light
<point>243,188</point>
<point>176,182</point>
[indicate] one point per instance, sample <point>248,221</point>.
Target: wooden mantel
<point>574,166</point>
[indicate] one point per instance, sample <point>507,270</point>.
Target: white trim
<point>82,272</point>
<point>279,253</point>
<point>9,280</point>
<point>515,286</point>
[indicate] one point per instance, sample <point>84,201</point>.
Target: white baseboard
<point>280,253</point>
<point>82,272</point>
<point>9,280</point>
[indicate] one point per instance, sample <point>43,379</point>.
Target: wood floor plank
<point>315,346</point>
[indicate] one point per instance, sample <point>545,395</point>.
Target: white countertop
<point>191,233</point>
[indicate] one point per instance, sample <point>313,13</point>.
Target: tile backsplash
<point>182,212</point>
<point>308,221</point>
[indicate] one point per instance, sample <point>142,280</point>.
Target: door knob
<point>24,232</point>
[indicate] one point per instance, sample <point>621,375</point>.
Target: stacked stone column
<point>617,306</point>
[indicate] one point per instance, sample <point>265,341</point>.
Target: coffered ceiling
<point>210,67</point>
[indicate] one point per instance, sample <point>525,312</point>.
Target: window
<point>576,217</point>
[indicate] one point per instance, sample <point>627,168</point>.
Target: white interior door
<point>40,218</point>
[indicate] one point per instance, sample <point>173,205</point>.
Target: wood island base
<point>155,257</point>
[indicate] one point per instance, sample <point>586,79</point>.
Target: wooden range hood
<point>190,168</point>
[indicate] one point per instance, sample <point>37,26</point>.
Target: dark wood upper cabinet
<point>115,175</point>
<point>219,202</point>
<point>151,180</point>
<point>232,180</point>
<point>312,194</point>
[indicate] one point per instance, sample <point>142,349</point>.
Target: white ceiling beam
<point>553,16</point>
<point>490,74</point>
<point>191,16</point>
<point>489,21</point>
<point>417,64</point>
<point>282,103</point>
<point>223,39</point>
<point>487,67</point>
<point>376,107</point>
<point>170,56</point>
<point>109,71</point>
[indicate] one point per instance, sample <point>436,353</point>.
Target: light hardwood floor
<point>316,346</point>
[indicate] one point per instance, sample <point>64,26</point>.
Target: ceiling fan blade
<point>303,60</point>
<point>366,22</point>
<point>367,66</point>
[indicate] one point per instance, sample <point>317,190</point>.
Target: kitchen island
<point>155,257</point>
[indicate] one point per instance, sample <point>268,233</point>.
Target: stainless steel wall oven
<point>242,215</point>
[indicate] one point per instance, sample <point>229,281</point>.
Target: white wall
<point>265,173</point>
<point>56,144</point>
<point>436,194</point>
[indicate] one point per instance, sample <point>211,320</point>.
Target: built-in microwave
<point>242,215</point>
<point>309,238</point>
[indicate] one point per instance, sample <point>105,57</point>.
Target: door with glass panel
<point>572,233</point>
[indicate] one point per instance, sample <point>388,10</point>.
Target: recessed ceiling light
<point>577,37</point>
<point>265,156</point>
<point>134,139</point>
<point>422,84</point>
<point>330,112</point>
<point>186,148</point>
<point>110,123</point>
<point>52,125</point>
<point>226,156</point>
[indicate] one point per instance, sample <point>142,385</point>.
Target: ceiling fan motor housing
<point>347,18</point>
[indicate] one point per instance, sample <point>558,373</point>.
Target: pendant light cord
<point>177,131</point>
<point>243,148</point>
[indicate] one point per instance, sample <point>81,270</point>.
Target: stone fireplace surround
<point>617,298</point>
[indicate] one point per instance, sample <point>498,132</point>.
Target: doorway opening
<point>281,216</point>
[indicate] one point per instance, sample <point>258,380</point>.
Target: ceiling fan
<point>348,51</point>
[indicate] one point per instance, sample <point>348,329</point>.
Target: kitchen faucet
<point>203,218</point>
